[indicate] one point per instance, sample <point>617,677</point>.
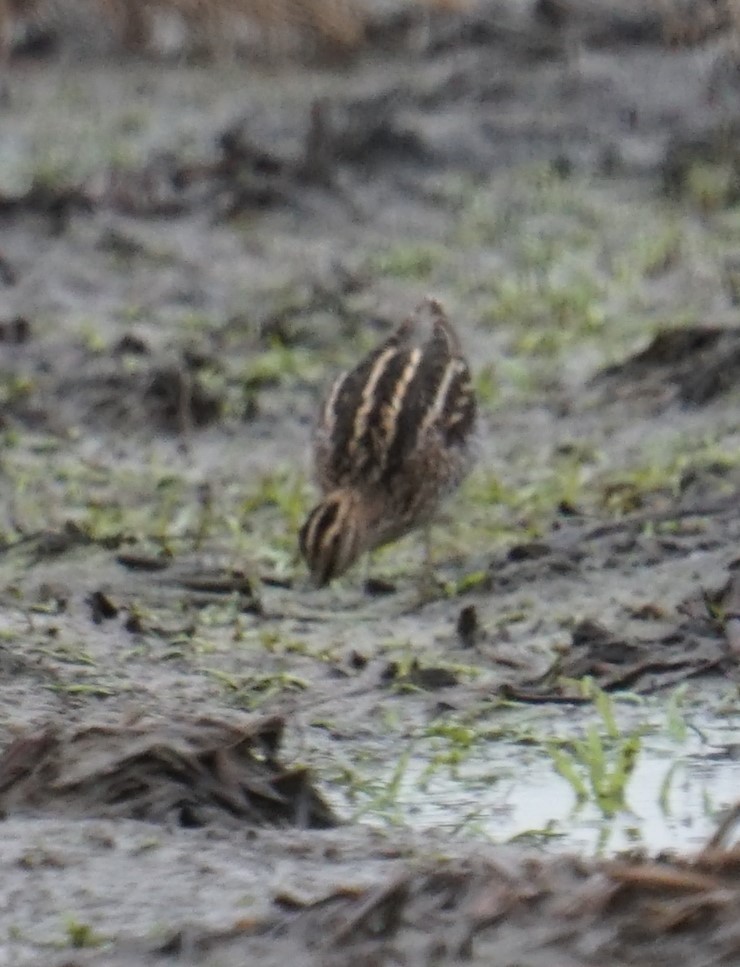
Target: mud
<point>188,254</point>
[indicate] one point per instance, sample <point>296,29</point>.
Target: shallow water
<point>686,773</point>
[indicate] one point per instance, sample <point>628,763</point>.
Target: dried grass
<point>333,23</point>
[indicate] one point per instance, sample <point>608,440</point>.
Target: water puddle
<point>684,772</point>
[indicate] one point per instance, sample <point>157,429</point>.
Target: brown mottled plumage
<point>393,439</point>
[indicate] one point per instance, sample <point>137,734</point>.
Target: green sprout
<point>599,766</point>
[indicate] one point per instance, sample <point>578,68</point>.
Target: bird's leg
<point>367,567</point>
<point>426,537</point>
<point>428,585</point>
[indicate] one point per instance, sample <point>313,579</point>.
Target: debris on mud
<point>57,202</point>
<point>416,676</point>
<point>377,587</point>
<point>249,175</point>
<point>467,626</point>
<point>693,364</point>
<point>196,772</point>
<point>718,609</point>
<point>502,906</point>
<point>208,584</point>
<point>513,909</point>
<point>47,544</point>
<point>106,391</point>
<point>102,608</point>
<point>15,331</point>
<point>613,661</point>
<point>136,561</point>
<point>582,547</point>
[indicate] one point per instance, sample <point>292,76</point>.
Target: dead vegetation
<point>192,773</point>
<point>208,24</point>
<point>212,27</point>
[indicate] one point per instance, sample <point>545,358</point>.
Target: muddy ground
<point>188,253</point>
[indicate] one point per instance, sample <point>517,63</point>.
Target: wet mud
<point>188,254</point>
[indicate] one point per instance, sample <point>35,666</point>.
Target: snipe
<point>394,437</point>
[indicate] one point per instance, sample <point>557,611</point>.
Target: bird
<point>394,436</point>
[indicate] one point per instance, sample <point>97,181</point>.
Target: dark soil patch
<point>693,365</point>
<point>107,391</point>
